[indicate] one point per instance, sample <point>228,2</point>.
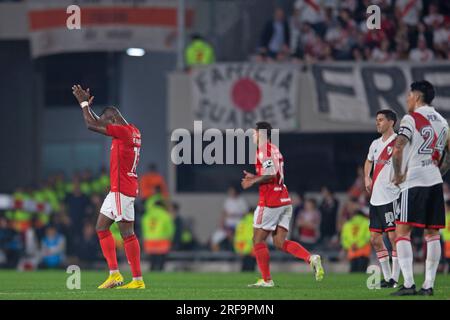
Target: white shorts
<point>118,206</point>
<point>267,218</point>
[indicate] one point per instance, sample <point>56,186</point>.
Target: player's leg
<point>395,266</point>
<point>382,219</point>
<point>412,204</point>
<point>107,242</point>
<point>263,223</point>
<point>376,239</point>
<point>262,256</point>
<point>108,246</point>
<point>405,259</point>
<point>435,219</point>
<point>130,241</point>
<point>279,237</point>
<point>294,248</point>
<point>405,253</point>
<point>433,240</point>
<point>104,221</point>
<point>132,247</point>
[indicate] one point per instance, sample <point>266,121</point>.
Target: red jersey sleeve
<point>118,131</point>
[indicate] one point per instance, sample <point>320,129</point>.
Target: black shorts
<point>382,218</point>
<point>422,207</point>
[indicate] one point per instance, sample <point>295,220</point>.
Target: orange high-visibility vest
<point>447,249</point>
<point>157,246</point>
<point>361,252</point>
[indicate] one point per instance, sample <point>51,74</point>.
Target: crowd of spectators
<point>336,30</point>
<point>52,239</point>
<point>67,235</point>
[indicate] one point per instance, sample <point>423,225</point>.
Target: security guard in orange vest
<point>355,238</point>
<point>158,229</point>
<point>243,242</point>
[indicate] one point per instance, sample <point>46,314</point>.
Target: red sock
<point>133,252</point>
<point>296,250</point>
<point>108,246</point>
<point>263,259</point>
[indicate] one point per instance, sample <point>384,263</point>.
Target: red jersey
<point>124,158</point>
<point>273,193</point>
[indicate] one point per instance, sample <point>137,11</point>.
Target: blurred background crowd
<point>337,227</point>
<point>337,30</point>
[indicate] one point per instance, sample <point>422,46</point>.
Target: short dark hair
<point>264,125</point>
<point>426,88</point>
<point>389,114</point>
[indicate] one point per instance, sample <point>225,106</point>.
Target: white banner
<point>106,25</point>
<point>228,96</point>
<point>353,93</point>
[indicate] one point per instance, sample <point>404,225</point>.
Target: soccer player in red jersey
<point>119,203</point>
<point>274,211</point>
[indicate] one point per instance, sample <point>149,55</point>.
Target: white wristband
<point>84,104</point>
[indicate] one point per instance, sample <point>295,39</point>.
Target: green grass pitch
<point>217,286</point>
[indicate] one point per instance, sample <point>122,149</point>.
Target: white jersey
<point>427,132</point>
<point>380,153</point>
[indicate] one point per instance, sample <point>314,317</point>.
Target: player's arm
<point>269,172</point>
<point>367,179</point>
<point>96,117</point>
<point>91,120</point>
<point>405,134</point>
<point>248,182</point>
<point>397,158</point>
<point>444,166</point>
<point>368,168</point>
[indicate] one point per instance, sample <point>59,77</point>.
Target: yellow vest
<point>446,236</point>
<point>199,52</point>
<point>446,231</point>
<point>355,237</point>
<point>243,237</point>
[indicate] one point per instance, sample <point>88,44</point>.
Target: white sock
<point>383,258</point>
<point>137,278</point>
<point>432,261</point>
<point>405,260</point>
<point>395,266</point>
<point>113,271</point>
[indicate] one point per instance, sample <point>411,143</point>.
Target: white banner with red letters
<point>237,95</point>
<point>106,25</point>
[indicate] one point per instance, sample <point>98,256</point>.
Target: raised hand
<point>81,95</point>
